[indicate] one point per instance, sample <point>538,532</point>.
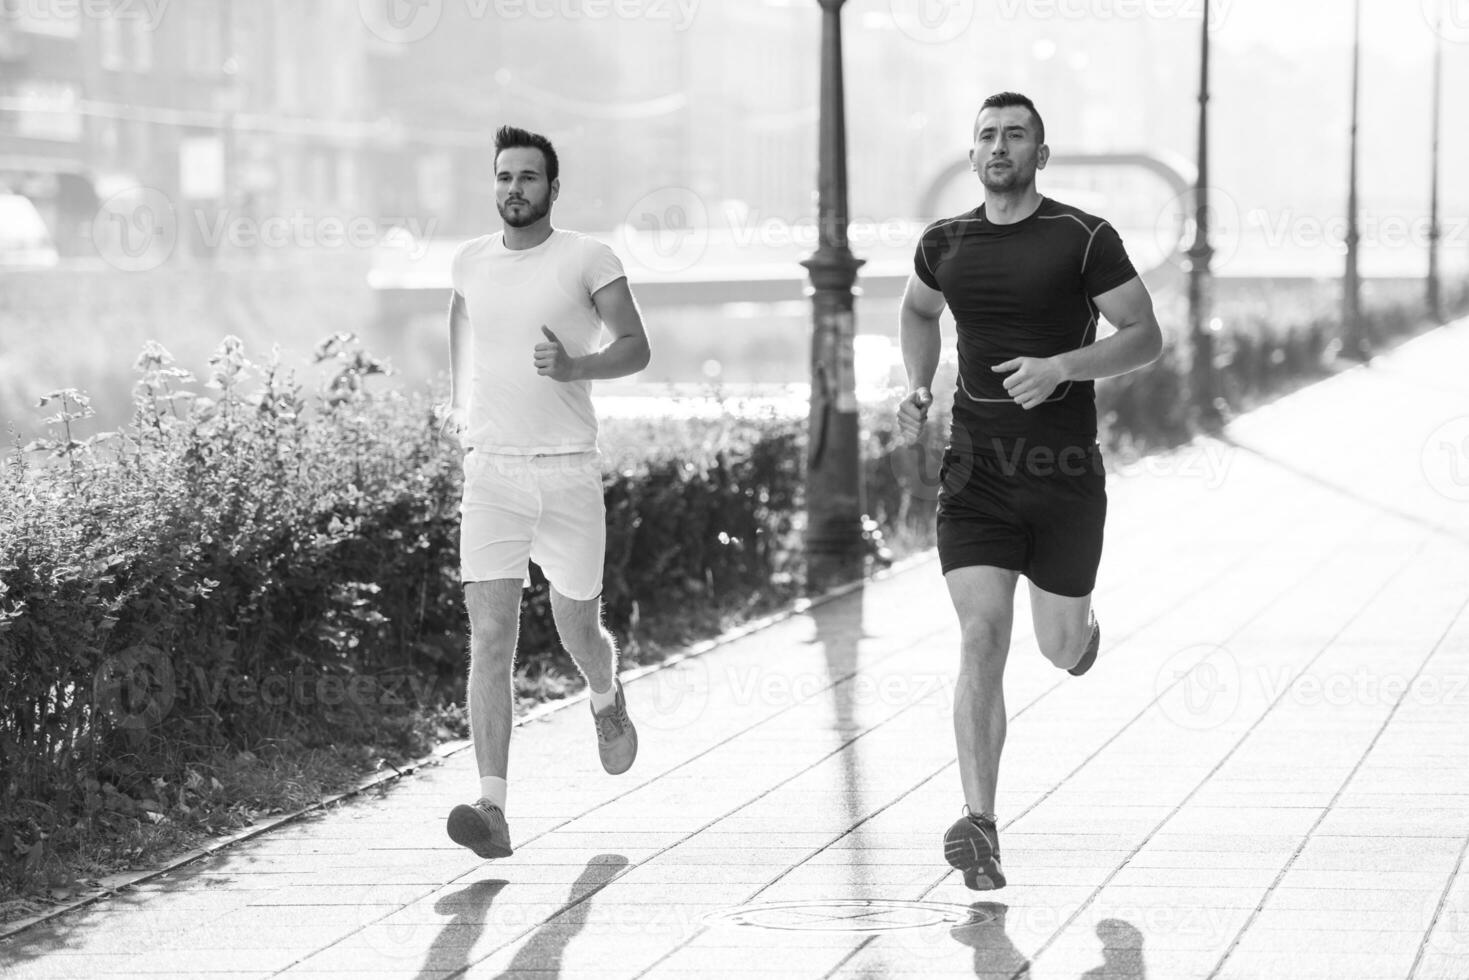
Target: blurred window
<point>142,45</point>
<point>109,40</point>
<point>203,38</point>
<point>48,111</point>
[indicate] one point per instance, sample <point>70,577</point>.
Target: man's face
<point>523,195</point>
<point>1006,152</point>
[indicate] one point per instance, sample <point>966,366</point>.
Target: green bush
<point>250,567</point>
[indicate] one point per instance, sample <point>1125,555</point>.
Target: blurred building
<point>219,103</point>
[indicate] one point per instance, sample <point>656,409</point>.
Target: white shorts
<point>546,509</point>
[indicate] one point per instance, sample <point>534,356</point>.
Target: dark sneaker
<point>1089,655</point>
<point>617,739</point>
<point>973,846</point>
<point>481,827</point>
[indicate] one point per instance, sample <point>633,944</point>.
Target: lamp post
<point>1202,376</point>
<point>1354,341</point>
<point>1434,298</point>
<point>834,475</point>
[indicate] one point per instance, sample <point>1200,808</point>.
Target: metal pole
<point>1354,342</point>
<point>1434,298</point>
<point>834,503</point>
<point>1202,376</point>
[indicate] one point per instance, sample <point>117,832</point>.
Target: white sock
<point>602,700</point>
<point>493,788</point>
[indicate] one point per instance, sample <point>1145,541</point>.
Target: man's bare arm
<point>629,352</point>
<point>459,353</point>
<point>918,332</point>
<point>1137,342</point>
<point>922,343</point>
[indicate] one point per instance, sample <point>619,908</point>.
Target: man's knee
<point>985,640</point>
<point>1062,644</point>
<point>492,641</point>
<point>584,637</point>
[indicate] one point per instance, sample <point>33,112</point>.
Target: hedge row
<point>248,564</point>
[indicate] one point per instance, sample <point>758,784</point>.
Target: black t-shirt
<point>1022,289</point>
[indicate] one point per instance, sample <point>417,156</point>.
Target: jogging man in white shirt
<point>525,332</point>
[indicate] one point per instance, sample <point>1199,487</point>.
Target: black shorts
<point>1044,521</point>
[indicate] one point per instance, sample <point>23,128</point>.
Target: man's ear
<point>1041,156</point>
<point>555,189</point>
<point>972,165</point>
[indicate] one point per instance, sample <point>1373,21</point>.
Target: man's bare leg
<point>1062,625</point>
<point>590,644</point>
<point>494,625</point>
<point>984,598</point>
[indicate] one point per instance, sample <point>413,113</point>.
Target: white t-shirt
<point>510,293</point>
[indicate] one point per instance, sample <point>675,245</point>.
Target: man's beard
<point>529,215</point>
<point>1004,179</point>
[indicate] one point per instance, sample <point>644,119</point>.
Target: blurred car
<point>24,240</point>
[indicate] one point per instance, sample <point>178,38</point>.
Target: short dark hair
<point>508,137</point>
<point>1003,100</point>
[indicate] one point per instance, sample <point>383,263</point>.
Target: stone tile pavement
<point>1266,775</point>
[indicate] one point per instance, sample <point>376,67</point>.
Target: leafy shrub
<point>250,567</point>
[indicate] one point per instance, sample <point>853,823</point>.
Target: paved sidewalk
<point>1266,775</point>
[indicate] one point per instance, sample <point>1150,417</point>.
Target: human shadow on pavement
<point>469,907</point>
<point>1122,952</point>
<point>541,955</point>
<point>994,953</point>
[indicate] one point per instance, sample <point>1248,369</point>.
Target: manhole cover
<point>848,915</point>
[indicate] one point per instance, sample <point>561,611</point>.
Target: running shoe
<point>617,739</point>
<point>973,846</point>
<point>1089,655</point>
<point>481,827</point>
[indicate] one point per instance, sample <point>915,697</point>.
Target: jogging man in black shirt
<point>1022,480</point>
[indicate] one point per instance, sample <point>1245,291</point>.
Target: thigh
<point>1066,516</point>
<point>575,615</point>
<point>1060,620</point>
<point>494,605</point>
<point>570,541</point>
<point>497,520</point>
<point>977,522</point>
<point>984,599</point>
